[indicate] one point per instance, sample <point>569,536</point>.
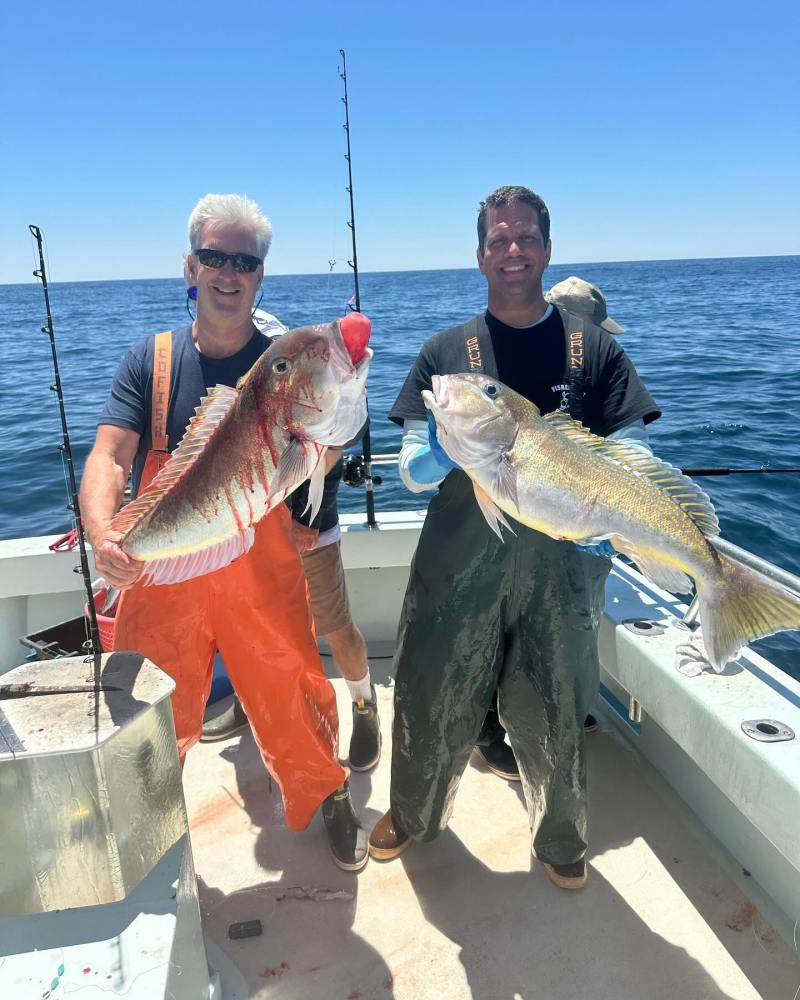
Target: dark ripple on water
<point>720,359</point>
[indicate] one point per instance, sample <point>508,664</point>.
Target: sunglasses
<point>243,263</point>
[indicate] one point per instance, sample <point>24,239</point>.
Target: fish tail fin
<point>741,606</point>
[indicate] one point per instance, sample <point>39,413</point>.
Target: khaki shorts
<point>326,588</point>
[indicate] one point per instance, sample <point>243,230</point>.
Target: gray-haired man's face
<point>228,294</point>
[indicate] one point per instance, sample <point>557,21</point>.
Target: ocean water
<point>717,342</point>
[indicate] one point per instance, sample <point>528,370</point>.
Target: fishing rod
<point>364,473</point>
<point>391,458</point>
<point>722,471</point>
<point>352,223</point>
<point>92,645</point>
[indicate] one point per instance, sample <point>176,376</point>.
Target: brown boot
<point>388,839</point>
<point>571,876</point>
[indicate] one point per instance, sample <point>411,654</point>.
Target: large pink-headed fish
<point>246,449</point>
<point>553,475</point>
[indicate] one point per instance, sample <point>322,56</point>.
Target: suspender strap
<point>576,363</point>
<point>472,347</point>
<point>162,368</point>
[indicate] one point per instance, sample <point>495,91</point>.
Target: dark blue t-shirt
<point>193,374</point>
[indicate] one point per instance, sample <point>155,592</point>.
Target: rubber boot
<point>348,838</point>
<point>231,721</point>
<point>365,743</point>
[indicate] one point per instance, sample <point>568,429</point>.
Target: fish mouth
<point>438,396</point>
<point>454,421</point>
<point>440,399</point>
<point>342,363</point>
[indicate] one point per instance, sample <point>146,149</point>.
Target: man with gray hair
<point>255,610</point>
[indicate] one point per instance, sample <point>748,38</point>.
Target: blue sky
<point>651,130</point>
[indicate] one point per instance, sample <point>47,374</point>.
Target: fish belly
<point>181,526</point>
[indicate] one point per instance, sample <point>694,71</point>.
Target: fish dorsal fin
<point>207,417</point>
<point>681,490</point>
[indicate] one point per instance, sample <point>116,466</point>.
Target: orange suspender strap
<point>162,368</point>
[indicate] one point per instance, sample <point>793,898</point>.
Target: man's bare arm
<point>102,487</point>
<point>332,456</point>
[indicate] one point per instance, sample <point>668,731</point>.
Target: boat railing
<point>786,579</point>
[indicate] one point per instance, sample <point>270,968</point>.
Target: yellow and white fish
<point>552,474</point>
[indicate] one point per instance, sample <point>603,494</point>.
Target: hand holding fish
<point>437,451</point>
<point>113,564</point>
<point>553,475</point>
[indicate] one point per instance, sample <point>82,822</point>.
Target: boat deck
<point>471,915</point>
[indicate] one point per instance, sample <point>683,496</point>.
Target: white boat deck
<point>471,915</point>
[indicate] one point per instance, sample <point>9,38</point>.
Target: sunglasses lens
<point>244,263</point>
<point>211,258</point>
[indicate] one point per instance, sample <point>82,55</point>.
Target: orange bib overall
<point>255,612</point>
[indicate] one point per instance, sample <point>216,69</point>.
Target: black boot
<point>365,743</point>
<point>491,747</point>
<point>222,726</point>
<point>500,759</point>
<point>348,839</point>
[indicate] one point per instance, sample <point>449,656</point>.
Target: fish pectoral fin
<point>315,489</point>
<point>661,574</point>
<point>592,540</point>
<point>494,516</point>
<point>296,464</point>
<point>505,481</point>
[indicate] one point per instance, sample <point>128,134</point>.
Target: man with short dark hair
<point>519,616</point>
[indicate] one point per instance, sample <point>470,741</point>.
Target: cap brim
<point>612,327</point>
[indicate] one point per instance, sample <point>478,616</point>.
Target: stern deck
<point>471,915</point>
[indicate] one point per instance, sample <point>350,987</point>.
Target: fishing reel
<point>354,471</point>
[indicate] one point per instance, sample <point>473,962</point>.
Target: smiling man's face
<point>514,254</point>
<point>225,293</point>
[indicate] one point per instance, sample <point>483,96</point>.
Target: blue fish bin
<point>220,682</point>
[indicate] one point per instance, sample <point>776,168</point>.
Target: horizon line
<point>416,270</point>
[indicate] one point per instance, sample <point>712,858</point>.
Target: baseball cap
<point>578,296</point>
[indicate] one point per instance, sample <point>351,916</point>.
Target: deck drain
<point>644,626</point>
<point>767,730</point>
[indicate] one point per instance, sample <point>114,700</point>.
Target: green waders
<point>520,615</point>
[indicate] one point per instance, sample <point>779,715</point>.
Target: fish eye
<point>491,390</point>
<point>281,365</point>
